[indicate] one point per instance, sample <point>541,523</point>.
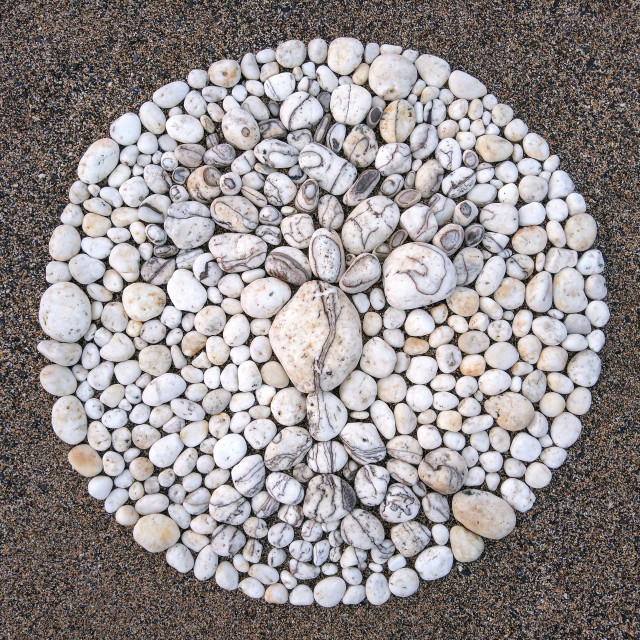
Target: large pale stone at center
<point>317,337</point>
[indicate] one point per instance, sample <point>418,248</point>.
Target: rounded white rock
<point>65,312</point>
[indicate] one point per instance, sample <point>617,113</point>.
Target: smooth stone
<point>419,222</point>
<point>188,224</point>
<point>355,594</point>
<point>328,498</point>
<point>156,532</point>
<point>333,173</point>
<point>276,153</point>
<point>369,224</point>
<point>371,484</point>
<point>483,513</point>
<point>224,73</point>
<point>236,252</point>
<point>433,70</point>
<point>517,494</point>
<point>363,272</point>
<point>185,128</point>
<point>163,452</point>
<point>152,118</point>
<point>65,312</point>
<point>301,596</point>
<point>493,148</point>
<point>568,291</point>
<point>417,274</point>
<point>444,470</point>
<point>64,243</point>
<point>350,104</point>
<point>85,460</point>
<point>511,411</point>
<point>535,146</point>
<point>300,111</point>
<point>377,589</point>
<point>539,292</point>
<point>410,538</point>
<point>289,264</point>
<point>360,146</point>
<point>465,545</point>
<point>362,529</point>
<point>171,94</point>
<point>248,475</point>
<point>279,86</point>
<point>327,457</point>
<point>326,255</point>
<point>284,488</point>
<point>500,217</point>
<point>580,230</point>
<point>394,158</point>
<point>297,230</point>
<point>565,430</point>
<point>378,358</point>
<point>69,420</point>
<point>392,76</point>
<point>584,368</point>
<point>98,161</point>
<point>263,298</point>
<point>186,292</point>
<point>330,327</point>
<point>58,380</point>
<point>362,442</point>
<point>234,213</point>
<point>404,582</point>
<point>423,141</point>
<point>227,576</point>
<point>326,415</point>
<point>240,129</point>
<point>287,449</point>
<point>344,55</point>
<point>397,122</point>
<point>434,563</point>
<point>126,129</point>
<point>163,389</point>
<point>229,506</point>
<point>291,53</point>
<point>61,353</point>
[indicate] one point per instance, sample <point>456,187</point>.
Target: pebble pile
<point>321,321</point>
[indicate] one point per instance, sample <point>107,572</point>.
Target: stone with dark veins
<point>237,252</point>
<point>333,173</point>
<point>362,529</point>
<point>326,415</point>
<point>416,275</point>
<point>289,447</point>
<point>369,224</point>
<point>235,213</point>
<point>317,337</point>
<point>289,264</point>
<point>328,498</point>
<point>363,273</point>
<point>410,538</point>
<point>362,441</point>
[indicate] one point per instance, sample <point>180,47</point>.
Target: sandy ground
<point>67,570</point>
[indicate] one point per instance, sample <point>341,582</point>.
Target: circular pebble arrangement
<point>321,321</point>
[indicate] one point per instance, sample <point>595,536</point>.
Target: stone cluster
<point>321,321</point>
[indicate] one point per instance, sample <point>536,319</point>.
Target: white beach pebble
<point>65,312</point>
<point>329,592</point>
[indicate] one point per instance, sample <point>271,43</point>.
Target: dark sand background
<point>67,570</point>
